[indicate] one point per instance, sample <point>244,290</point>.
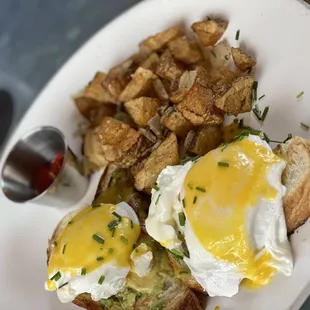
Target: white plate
<point>277,31</point>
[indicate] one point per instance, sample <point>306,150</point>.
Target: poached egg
<point>227,206</point>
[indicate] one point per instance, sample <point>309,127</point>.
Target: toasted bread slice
<point>296,178</point>
<point>159,289</point>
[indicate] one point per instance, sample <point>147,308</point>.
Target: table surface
<point>37,37</point>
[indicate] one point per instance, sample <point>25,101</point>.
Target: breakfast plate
<point>275,31</point>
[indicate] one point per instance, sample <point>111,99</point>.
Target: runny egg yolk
<point>95,236</point>
<point>220,189</point>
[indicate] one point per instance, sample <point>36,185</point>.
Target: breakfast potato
<point>159,40</point>
<point>209,31</point>
<point>236,97</point>
<point>123,145</point>
<point>142,109</point>
<point>205,139</point>
<point>160,89</point>
<point>151,62</point>
<point>219,55</point>
<point>175,121</point>
<point>97,114</point>
<point>242,61</point>
<point>139,85</point>
<point>168,68</point>
<point>184,51</point>
<point>167,153</point>
<point>93,96</point>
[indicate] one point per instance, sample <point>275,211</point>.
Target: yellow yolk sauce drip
<point>77,248</point>
<point>218,197</point>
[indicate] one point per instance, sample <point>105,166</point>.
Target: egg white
<point>265,224</point>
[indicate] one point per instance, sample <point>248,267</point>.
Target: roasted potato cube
<point>184,51</point>
<point>236,97</point>
<point>122,144</point>
<point>93,96</point>
<point>142,109</point>
<point>206,139</point>
<point>198,106</point>
<point>209,31</point>
<point>159,40</point>
<point>242,61</point>
<point>167,153</point>
<point>160,89</point>
<point>139,85</point>
<point>151,62</point>
<point>168,68</point>
<point>220,54</point>
<point>175,121</point>
<point>97,114</point>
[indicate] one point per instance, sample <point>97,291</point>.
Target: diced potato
<point>93,96</point>
<point>151,62</point>
<point>209,31</point>
<point>167,153</point>
<point>184,51</point>
<point>242,61</point>
<point>97,114</point>
<point>139,85</point>
<point>168,68</point>
<point>219,55</point>
<point>236,97</point>
<point>142,109</point>
<point>160,89</point>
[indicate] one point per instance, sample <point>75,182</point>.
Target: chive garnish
<point>254,90</point>
<point>113,224</point>
<point>166,131</point>
<point>123,239</point>
<point>70,222</point>
<point>134,246</point>
<point>183,202</point>
<point>56,276</point>
<point>200,189</point>
<point>183,272</point>
<point>249,70</point>
<point>157,199</point>
<point>113,232</point>
<point>83,271</point>
<point>304,126</point>
<point>101,279</point>
<point>97,205</point>
<point>214,55</point>
<point>155,187</point>
<point>63,285</point>
<point>241,123</point>
<point>300,94</point>
<point>237,35</point>
<point>182,218</point>
<point>261,97</point>
<point>257,114</point>
<point>176,253</point>
<point>236,120</point>
<point>131,224</point>
<point>223,164</point>
<point>195,199</point>
<point>190,185</point>
<point>195,158</point>
<point>55,243</point>
<point>110,251</point>
<point>117,215</point>
<point>224,146</point>
<point>64,249</point>
<point>289,137</point>
<point>100,258</point>
<point>179,197</point>
<point>98,238</point>
<point>265,113</point>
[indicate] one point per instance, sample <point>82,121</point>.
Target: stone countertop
<point>37,37</point>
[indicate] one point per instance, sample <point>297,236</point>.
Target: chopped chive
<point>117,215</point>
<point>83,271</point>
<point>110,182</point>
<point>55,243</point>
<point>254,90</point>
<point>97,205</point>
<point>98,238</point>
<point>200,189</point>
<point>190,185</point>
<point>182,218</point>
<point>64,249</point>
<point>195,199</point>
<point>261,97</point>
<point>113,224</point>
<point>155,187</point>
<point>179,197</point>
<point>214,55</point>
<point>63,285</point>
<point>100,258</point>
<point>236,120</point>
<point>257,114</point>
<point>110,251</point>
<point>237,35</point>
<point>134,246</point>
<point>300,94</point>
<point>131,224</point>
<point>224,146</point>
<point>183,202</point>
<point>176,253</point>
<point>113,232</point>
<point>304,126</point>
<point>123,239</point>
<point>196,158</point>
<point>70,222</point>
<point>289,137</point>
<point>241,123</point>
<point>223,164</point>
<point>183,272</point>
<point>157,199</point>
<point>266,138</point>
<point>166,131</point>
<point>56,276</point>
<point>265,113</point>
<point>101,279</point>
<point>249,70</point>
